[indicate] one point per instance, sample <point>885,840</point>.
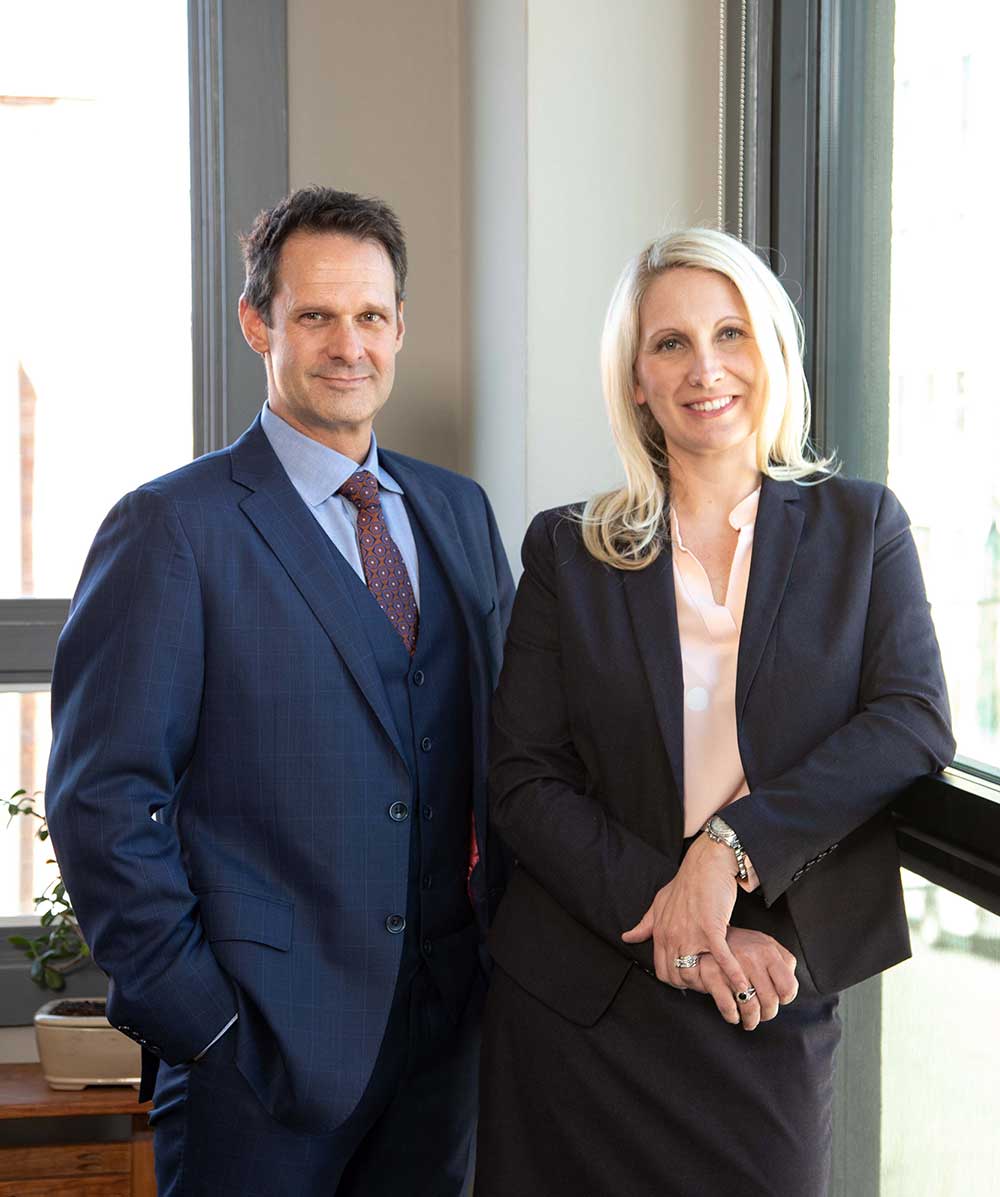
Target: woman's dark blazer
<point>840,703</point>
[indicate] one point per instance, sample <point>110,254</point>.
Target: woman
<point>734,630</point>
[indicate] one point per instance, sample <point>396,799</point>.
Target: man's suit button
<point>427,881</point>
<point>428,947</point>
<point>395,923</point>
<point>426,743</point>
<point>399,811</point>
<point>427,812</point>
<point>418,677</point>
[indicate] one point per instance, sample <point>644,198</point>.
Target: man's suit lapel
<point>278,513</point>
<point>431,507</point>
<point>652,608</point>
<point>775,541</point>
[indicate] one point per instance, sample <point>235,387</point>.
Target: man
<point>285,650</point>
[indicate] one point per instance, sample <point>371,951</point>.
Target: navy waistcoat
<point>430,700</point>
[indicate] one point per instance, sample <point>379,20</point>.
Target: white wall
<point>592,128</point>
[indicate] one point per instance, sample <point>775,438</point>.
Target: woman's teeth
<point>712,404</point>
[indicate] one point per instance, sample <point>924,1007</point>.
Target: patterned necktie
<point>385,569</point>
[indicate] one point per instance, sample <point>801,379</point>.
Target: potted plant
<point>77,1046</point>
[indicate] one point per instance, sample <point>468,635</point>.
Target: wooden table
<point>114,1169</point>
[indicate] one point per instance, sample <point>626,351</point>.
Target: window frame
<point>238,65</point>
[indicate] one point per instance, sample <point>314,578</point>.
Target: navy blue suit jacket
<point>213,669</point>
<point>840,704</point>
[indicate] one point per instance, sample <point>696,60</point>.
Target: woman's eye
<point>732,334</point>
<point>668,343</point>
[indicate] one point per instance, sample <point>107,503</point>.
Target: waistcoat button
<point>427,812</point>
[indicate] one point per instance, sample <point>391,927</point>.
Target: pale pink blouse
<point>710,641</point>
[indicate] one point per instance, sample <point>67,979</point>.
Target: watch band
<point>718,829</point>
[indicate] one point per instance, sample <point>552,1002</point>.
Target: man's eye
<point>372,317</point>
<point>311,317</point>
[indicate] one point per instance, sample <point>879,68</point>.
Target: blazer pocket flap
<point>233,914</point>
<point>558,961</point>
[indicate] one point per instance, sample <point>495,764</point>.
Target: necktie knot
<point>362,490</point>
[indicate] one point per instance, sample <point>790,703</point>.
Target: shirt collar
<point>745,511</point>
<point>743,515</point>
<point>316,471</point>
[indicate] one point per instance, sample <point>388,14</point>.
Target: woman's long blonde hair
<point>625,527</point>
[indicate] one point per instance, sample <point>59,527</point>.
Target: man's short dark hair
<point>317,210</point>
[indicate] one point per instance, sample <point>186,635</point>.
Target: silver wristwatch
<point>719,830</point>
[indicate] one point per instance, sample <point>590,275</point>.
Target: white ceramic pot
<point>84,1049</point>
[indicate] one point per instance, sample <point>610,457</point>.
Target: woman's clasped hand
<point>689,917</point>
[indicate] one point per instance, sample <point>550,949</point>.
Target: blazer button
<point>428,948</point>
<point>399,811</point>
<point>395,923</point>
<point>426,743</point>
<point>427,881</point>
<point>427,812</point>
<point>418,677</point>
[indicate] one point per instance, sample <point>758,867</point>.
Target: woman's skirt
<point>660,1096</point>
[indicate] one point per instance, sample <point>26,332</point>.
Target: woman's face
<point>698,367</point>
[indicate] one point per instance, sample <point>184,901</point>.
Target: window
<point>95,331</point>
<point>127,273</point>
<point>944,421</point>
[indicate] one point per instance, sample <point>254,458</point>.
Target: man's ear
<point>400,326</point>
<point>254,328</point>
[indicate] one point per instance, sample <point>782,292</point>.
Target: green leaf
<point>38,972</point>
<point>54,980</point>
<point>60,890</point>
<point>19,941</point>
<point>47,918</point>
<point>43,834</point>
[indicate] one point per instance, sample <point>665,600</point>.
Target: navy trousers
<point>411,1134</point>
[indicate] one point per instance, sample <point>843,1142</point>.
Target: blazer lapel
<point>652,608</point>
<point>775,541</point>
<point>276,510</point>
<point>431,507</point>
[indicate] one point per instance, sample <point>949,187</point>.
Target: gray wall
<point>373,102</point>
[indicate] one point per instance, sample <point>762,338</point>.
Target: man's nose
<point>344,341</point>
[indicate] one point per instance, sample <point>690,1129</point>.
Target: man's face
<point>330,349</point>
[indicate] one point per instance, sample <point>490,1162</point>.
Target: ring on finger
<point>745,995</point>
<point>687,961</point>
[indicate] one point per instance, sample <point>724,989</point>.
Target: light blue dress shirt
<point>317,473</point>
